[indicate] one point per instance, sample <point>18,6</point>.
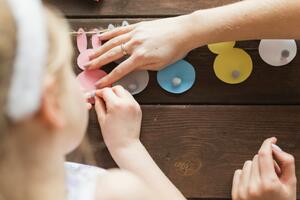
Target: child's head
<point>62,115</point>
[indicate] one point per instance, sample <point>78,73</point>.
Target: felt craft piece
<point>96,43</point>
<point>125,23</point>
<point>233,66</point>
<point>218,48</point>
<point>135,82</point>
<point>177,78</point>
<point>82,45</point>
<point>277,52</point>
<point>110,27</point>
<point>87,79</point>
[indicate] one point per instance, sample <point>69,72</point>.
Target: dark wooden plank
<point>266,85</point>
<point>121,8</point>
<point>199,147</point>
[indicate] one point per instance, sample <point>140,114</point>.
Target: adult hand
<point>150,45</point>
<point>258,179</point>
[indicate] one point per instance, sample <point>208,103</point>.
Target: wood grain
<point>266,85</point>
<point>133,8</point>
<point>199,147</point>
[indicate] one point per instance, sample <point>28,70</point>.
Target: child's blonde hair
<point>60,53</point>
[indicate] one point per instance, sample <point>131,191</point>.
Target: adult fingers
<point>111,55</point>
<point>286,163</point>
<point>266,162</point>
<point>244,180</point>
<point>235,184</point>
<point>117,73</point>
<point>109,45</point>
<point>116,32</point>
<point>254,182</point>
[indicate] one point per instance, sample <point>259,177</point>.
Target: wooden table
<point>200,137</point>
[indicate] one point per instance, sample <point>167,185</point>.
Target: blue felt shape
<point>182,70</point>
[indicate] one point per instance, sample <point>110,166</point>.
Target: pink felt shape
<point>87,79</point>
<point>96,42</point>
<point>84,58</point>
<point>81,40</point>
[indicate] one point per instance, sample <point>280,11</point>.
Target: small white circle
<point>176,81</point>
<point>132,87</point>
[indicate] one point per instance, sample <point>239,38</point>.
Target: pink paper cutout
<point>96,42</point>
<point>84,58</point>
<point>87,79</point>
<point>82,45</point>
<point>81,40</point>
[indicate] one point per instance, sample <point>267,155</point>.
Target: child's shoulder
<point>81,180</point>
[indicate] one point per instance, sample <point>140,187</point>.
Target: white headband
<point>30,59</point>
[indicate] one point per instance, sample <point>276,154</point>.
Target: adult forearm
<point>246,20</point>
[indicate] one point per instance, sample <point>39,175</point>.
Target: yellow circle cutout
<point>221,47</point>
<point>233,66</point>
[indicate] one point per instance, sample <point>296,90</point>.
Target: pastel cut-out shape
<point>96,42</point>
<point>233,66</point>
<point>87,79</point>
<point>177,78</point>
<point>110,27</point>
<point>125,23</point>
<point>135,82</point>
<point>277,52</point>
<point>84,58</point>
<point>81,40</point>
<point>222,47</point>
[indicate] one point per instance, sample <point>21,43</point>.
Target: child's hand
<point>119,116</point>
<point>258,179</point>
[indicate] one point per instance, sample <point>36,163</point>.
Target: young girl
<point>44,117</point>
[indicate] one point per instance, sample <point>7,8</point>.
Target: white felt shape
<point>110,27</point>
<point>125,23</point>
<point>277,52</point>
<point>31,58</point>
<point>135,82</point>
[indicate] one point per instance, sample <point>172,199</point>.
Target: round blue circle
<point>182,70</point>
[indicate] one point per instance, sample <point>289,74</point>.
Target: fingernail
<point>98,84</point>
<point>276,147</point>
<point>100,35</point>
<point>86,65</point>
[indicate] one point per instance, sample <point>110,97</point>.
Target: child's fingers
<point>235,184</point>
<point>108,95</point>
<point>100,108</point>
<point>89,106</point>
<point>120,91</point>
<point>286,163</point>
<point>266,162</point>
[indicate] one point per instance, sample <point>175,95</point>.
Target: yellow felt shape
<point>233,66</point>
<point>222,47</point>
